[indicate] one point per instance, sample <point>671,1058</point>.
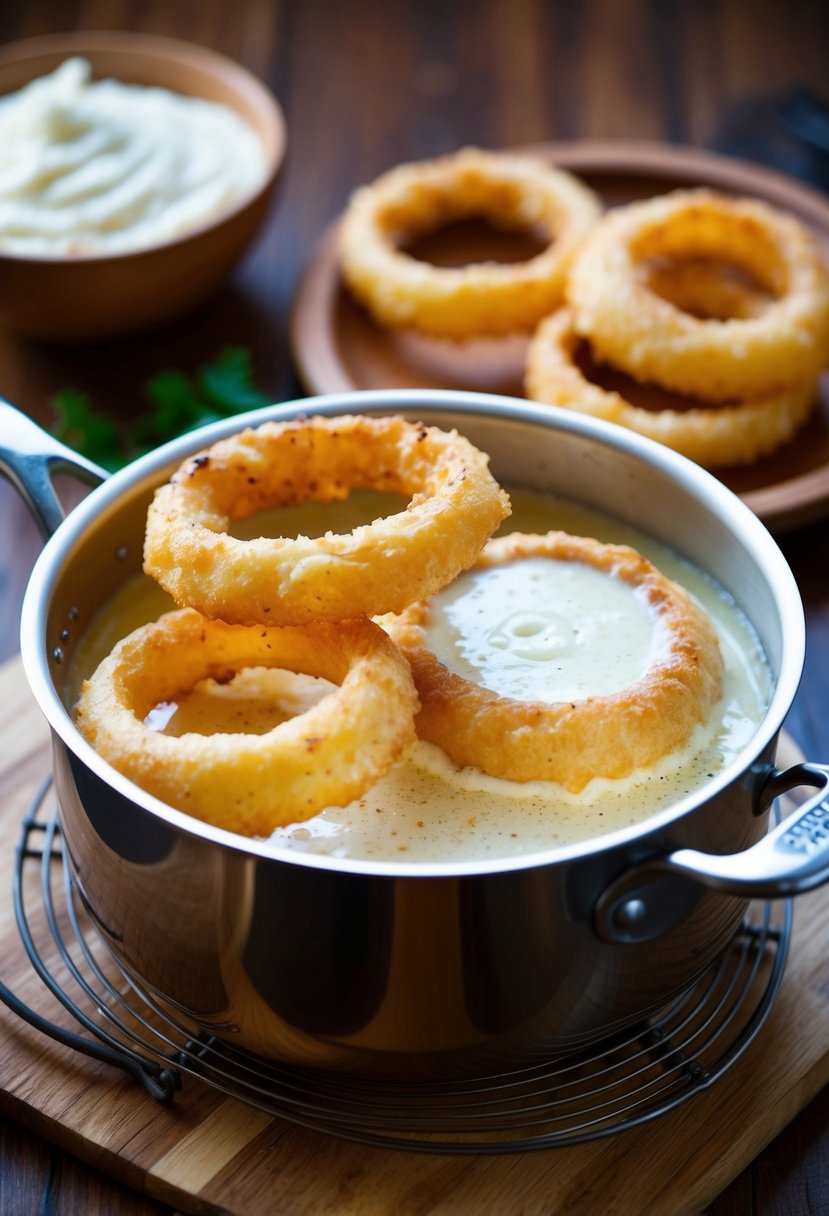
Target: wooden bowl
<point>92,296</point>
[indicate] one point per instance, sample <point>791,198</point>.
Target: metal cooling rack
<point>619,1083</point>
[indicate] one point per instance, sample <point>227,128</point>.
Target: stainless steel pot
<point>423,969</point>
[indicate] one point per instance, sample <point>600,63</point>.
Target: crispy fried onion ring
<point>483,298</point>
<point>572,742</point>
<point>713,435</point>
<point>646,335</point>
<point>379,567</point>
<point>252,783</point>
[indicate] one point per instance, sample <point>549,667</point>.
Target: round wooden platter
<point>337,347</point>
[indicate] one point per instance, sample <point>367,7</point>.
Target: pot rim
<point>702,485</point>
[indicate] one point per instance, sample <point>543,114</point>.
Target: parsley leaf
<point>78,426</point>
<point>176,403</point>
<point>227,382</point>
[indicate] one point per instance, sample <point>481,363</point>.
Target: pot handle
<point>30,456</point>
<point>794,857</point>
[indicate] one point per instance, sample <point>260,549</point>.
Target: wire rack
<point>617,1084</point>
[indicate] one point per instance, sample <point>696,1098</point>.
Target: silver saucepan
<point>416,969</point>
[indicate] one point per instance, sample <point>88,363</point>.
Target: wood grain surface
<point>365,85</point>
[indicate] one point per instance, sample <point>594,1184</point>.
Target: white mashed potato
<point>93,167</point>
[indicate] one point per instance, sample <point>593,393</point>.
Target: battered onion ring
<point>380,567</point>
<point>251,783</point>
<point>484,298</point>
<point>571,742</point>
<point>647,336</point>
<point>714,436</point>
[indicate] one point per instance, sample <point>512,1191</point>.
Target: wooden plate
<point>337,347</point>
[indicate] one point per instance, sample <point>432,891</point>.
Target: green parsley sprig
<point>177,403</point>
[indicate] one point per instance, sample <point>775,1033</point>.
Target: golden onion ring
<point>252,783</point>
<point>647,336</point>
<point>380,567</point>
<point>713,435</point>
<point>571,742</point>
<point>483,298</point>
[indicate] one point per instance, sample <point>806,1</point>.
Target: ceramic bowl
<point>93,296</point>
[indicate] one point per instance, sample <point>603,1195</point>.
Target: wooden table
<point>366,85</point>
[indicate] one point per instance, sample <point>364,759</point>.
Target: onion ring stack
<point>304,605</point>
<point>749,356</point>
<point>571,742</point>
<point>483,298</point>
<point>713,436</point>
<point>300,604</point>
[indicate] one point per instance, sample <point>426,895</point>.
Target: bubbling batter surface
<point>544,630</point>
<point>538,629</point>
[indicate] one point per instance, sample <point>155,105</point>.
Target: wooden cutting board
<point>210,1153</point>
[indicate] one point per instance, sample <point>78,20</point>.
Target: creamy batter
<point>93,167</point>
<point>548,630</point>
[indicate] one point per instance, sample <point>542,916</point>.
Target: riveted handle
<point>792,858</point>
<point>653,897</point>
<point>30,457</point>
